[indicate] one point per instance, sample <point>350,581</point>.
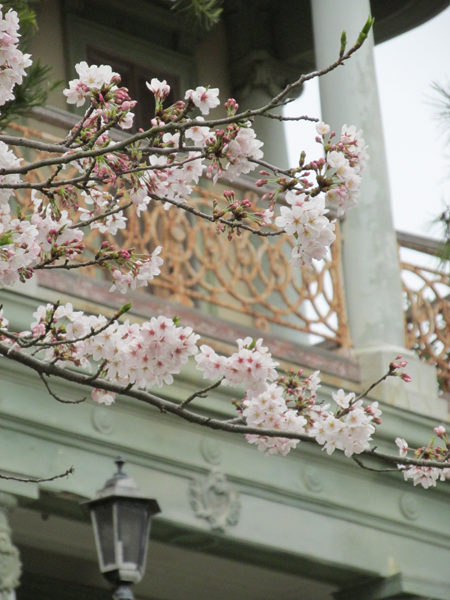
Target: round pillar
<point>370,258</point>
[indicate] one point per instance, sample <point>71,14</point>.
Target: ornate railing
<point>247,280</point>
<point>427,310</point>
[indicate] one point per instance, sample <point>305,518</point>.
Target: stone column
<point>10,565</point>
<point>373,292</point>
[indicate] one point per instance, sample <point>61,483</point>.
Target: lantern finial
<point>120,462</point>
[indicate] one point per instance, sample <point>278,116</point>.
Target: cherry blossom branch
<point>101,216</point>
<point>68,266</point>
<point>167,406</point>
<point>12,140</point>
<point>170,127</point>
<point>282,118</point>
<point>233,224</point>
<point>38,343</point>
<point>71,137</point>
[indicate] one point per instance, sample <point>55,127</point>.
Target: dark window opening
<point>134,77</point>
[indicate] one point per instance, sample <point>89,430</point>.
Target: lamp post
<point>121,517</point>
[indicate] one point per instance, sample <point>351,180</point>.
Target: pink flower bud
<point>406,377</point>
<point>440,431</point>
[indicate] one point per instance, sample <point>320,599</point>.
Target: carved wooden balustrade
<point>247,280</point>
<point>427,310</point>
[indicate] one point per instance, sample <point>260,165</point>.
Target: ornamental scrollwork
<point>214,499</point>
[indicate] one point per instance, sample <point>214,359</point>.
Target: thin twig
<point>68,141</point>
<point>167,406</point>
<point>70,471</point>
<point>363,466</point>
<point>278,100</point>
<point>233,224</point>
<point>282,118</point>
<point>113,211</point>
<point>201,393</point>
<point>55,396</point>
<point>370,388</point>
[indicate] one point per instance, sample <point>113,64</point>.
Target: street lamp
<point>121,517</point>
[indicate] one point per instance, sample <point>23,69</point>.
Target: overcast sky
<point>418,158</point>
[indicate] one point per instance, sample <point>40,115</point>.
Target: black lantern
<point>121,517</point>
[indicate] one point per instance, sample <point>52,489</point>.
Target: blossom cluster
<point>345,161</point>
<point>12,61</point>
<point>269,411</point>
<point>144,355</point>
<point>290,405</point>
<point>251,366</point>
<point>8,160</point>
<point>165,165</point>
<point>140,273</point>
<point>100,85</point>
<point>338,178</point>
<point>426,476</point>
<point>27,241</point>
<point>349,429</point>
<point>306,221</point>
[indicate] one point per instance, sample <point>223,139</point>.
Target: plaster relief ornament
<point>117,358</point>
<point>214,499</point>
<point>409,506</point>
<point>210,451</point>
<point>313,479</point>
<point>102,420</point>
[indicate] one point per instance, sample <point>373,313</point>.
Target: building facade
<point>234,523</point>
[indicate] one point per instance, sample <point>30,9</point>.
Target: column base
<point>419,396</point>
<point>397,587</point>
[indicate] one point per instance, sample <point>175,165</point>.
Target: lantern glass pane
<point>133,531</point>
<point>103,514</point>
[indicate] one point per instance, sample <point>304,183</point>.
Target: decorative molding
<point>259,70</point>
<point>10,564</point>
<point>214,499</point>
<point>211,451</point>
<point>102,420</point>
<point>312,479</point>
<point>409,506</point>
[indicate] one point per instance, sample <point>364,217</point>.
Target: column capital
<point>260,70</point>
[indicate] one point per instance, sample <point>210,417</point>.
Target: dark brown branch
<point>278,100</point>
<point>70,471</point>
<point>77,128</point>
<point>67,266</point>
<point>113,211</point>
<point>363,466</point>
<point>282,118</point>
<point>201,393</point>
<point>55,396</point>
<point>373,385</point>
<point>167,406</point>
<point>233,224</point>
